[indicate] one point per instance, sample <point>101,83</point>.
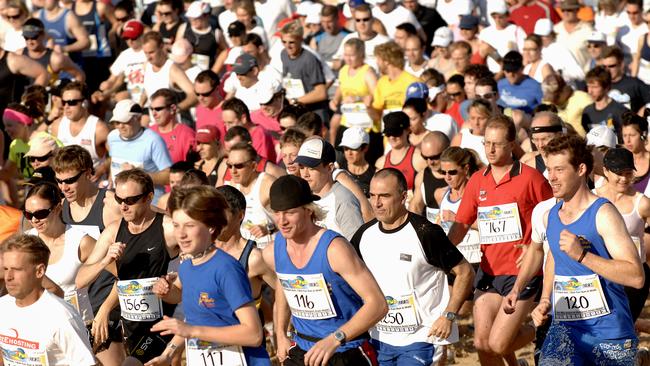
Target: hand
<point>349,99</point>
<point>448,216</point>
<point>99,329</point>
<point>520,260</point>
<point>322,351</point>
<point>114,252</point>
<point>163,285</point>
<point>97,97</point>
<point>441,328</point>
<point>163,360</point>
<point>258,231</point>
<point>99,172</point>
<point>570,244</point>
<point>333,105</point>
<point>173,326</point>
<point>282,347</point>
<point>540,313</point>
<point>367,100</point>
<point>510,302</point>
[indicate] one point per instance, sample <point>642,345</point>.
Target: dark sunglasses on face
<point>70,180</point>
<point>13,17</point>
<point>122,20</point>
<point>158,109</point>
<point>31,38</point>
<point>40,158</point>
<point>359,20</point>
<point>39,215</point>
<point>72,102</point>
<point>432,157</point>
<point>450,172</point>
<point>613,66</point>
<point>206,94</point>
<point>129,201</point>
<point>454,95</point>
<point>165,14</point>
<point>238,165</point>
<point>486,95</point>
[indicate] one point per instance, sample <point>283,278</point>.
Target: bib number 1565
<point>133,304</point>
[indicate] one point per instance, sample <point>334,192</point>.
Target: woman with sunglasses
<point>41,150</point>
<point>479,112</point>
<point>69,246</point>
<point>619,166</point>
<point>220,313</point>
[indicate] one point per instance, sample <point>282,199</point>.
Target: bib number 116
<point>303,301</point>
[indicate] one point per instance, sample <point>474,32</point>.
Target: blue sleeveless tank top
<point>618,323</point>
<point>345,300</point>
<point>56,28</point>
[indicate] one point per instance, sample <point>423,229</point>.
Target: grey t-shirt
<point>343,211</point>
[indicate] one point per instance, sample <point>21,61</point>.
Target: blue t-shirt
<point>525,96</point>
<point>212,291</point>
<point>146,151</point>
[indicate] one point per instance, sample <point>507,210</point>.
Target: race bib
<point>138,303</point>
<point>202,61</point>
<point>578,298</point>
<point>308,296</point>
<point>202,353</point>
<point>433,215</point>
<point>499,224</point>
<point>402,316</point>
<point>79,300</point>
<point>294,88</point>
<point>22,352</point>
<point>356,115</point>
<point>470,247</point>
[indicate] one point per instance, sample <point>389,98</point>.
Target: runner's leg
<point>486,306</point>
<point>113,356</point>
<point>508,334</point>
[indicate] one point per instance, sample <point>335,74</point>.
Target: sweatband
<point>543,129</point>
<point>17,116</point>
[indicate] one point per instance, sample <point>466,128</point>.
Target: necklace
<point>207,250</point>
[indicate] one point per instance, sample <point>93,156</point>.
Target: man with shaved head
<point>428,180</point>
<point>545,127</point>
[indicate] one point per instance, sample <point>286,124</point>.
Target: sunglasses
<point>206,94</point>
<point>122,20</point>
<point>39,215</point>
<point>13,17</point>
<point>451,172</point>
<point>359,20</point>
<point>158,109</point>
<point>70,180</point>
<point>31,38</point>
<point>238,165</point>
<point>594,45</point>
<point>432,157</point>
<point>454,95</point>
<point>489,95</point>
<point>165,14</point>
<point>40,158</point>
<point>72,102</point>
<point>130,201</point>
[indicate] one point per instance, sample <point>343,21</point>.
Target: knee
<point>498,346</point>
<point>482,344</point>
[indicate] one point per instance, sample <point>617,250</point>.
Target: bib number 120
<point>303,301</point>
<point>577,302</point>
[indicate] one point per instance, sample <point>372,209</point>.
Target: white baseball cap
<point>601,136</point>
<point>543,27</point>
<point>124,110</point>
<point>497,6</point>
<point>354,137</point>
<point>597,37</point>
<point>442,37</point>
<point>266,89</point>
<point>197,9</point>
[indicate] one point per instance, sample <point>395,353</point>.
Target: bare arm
<point>23,65</point>
<point>85,248</point>
<point>457,232</point>
<point>636,56</point>
<point>318,94</point>
<point>179,78</point>
<point>52,287</point>
<point>462,285</point>
<point>61,62</point>
<point>160,177</point>
<point>78,32</point>
<point>99,258</point>
<point>417,202</point>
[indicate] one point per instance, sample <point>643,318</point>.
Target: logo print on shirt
<point>405,257</point>
<point>205,300</point>
<point>482,195</point>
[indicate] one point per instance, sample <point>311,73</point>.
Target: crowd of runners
<point>322,182</point>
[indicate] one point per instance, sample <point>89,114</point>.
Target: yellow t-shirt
<point>17,151</point>
<point>572,113</point>
<point>353,86</point>
<point>390,95</point>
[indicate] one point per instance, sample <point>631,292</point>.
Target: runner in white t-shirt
<point>36,327</point>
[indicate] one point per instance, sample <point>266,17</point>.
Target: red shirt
<point>405,166</point>
<point>263,143</point>
<point>524,186</point>
<point>210,116</point>
<point>454,111</point>
<point>526,16</point>
<point>179,141</point>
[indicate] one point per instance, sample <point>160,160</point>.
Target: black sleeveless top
<point>204,44</point>
<point>431,183</point>
<point>95,216</point>
<point>246,253</point>
<point>363,179</point>
<point>539,164</point>
<point>169,35</point>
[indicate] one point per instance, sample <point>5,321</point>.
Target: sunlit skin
<point>193,236</point>
<point>455,92</point>
<point>364,28</point>
<point>175,179</point>
<point>416,120</point>
<point>460,58</point>
<point>73,112</point>
<point>155,55</point>
<point>432,150</point>
<point>595,49</point>
<point>596,91</point>
<point>468,34</point>
<point>632,139</point>
<point>540,139</point>
<point>71,191</point>
<point>477,121</point>
<point>127,129</point>
<point>167,14</point>
<point>292,44</point>
<point>35,203</point>
<point>329,24</point>
<point>287,122</point>
<point>500,20</point>
<point>22,278</point>
<point>208,151</point>
<point>293,222</point>
<point>351,57</point>
<point>40,164</point>
<point>562,176</point>
<point>616,69</point>
<point>531,53</point>
<point>455,182</point>
<point>497,147</point>
<point>413,51</point>
<point>317,177</point>
<point>513,76</point>
<point>354,156</point>
<point>398,142</point>
<point>289,153</point>
<point>209,101</point>
<point>165,116</point>
<point>247,173</point>
<point>249,79</point>
<point>16,130</point>
<point>621,182</point>
<point>230,119</point>
<point>486,90</point>
<point>387,203</point>
<point>137,210</point>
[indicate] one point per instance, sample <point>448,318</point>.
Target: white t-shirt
<point>369,47</point>
<point>609,24</point>
<point>271,12</point>
<point>511,38</point>
<point>562,60</point>
<point>452,10</point>
<point>225,18</point>
<point>538,233</point>
<point>442,122</point>
<point>49,326</point>
<point>131,63</point>
<point>250,95</point>
<point>627,38</point>
<point>396,17</point>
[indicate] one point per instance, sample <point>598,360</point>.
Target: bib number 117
<point>212,358</point>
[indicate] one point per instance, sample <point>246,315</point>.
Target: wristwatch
<point>339,335</point>
<point>449,315</point>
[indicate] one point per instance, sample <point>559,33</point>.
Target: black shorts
<point>114,335</point>
<point>360,356</point>
<point>451,278</point>
<point>636,296</point>
<point>502,285</point>
<point>140,342</point>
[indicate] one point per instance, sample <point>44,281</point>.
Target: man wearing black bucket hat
<point>331,296</point>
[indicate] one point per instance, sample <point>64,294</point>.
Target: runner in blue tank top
<point>591,258</point>
<point>332,297</point>
<point>221,321</point>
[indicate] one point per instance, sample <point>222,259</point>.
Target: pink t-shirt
<point>270,124</point>
<point>263,143</point>
<point>206,116</point>
<point>179,141</point>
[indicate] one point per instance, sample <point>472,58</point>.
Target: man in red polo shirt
<point>527,12</point>
<point>501,197</point>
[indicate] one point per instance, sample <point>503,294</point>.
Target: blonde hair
<point>317,212</point>
<point>292,29</point>
<point>392,53</point>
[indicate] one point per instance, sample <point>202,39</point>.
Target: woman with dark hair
<point>220,314</point>
<point>69,246</point>
<point>635,131</point>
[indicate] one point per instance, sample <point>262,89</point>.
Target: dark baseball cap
<point>40,175</point>
<point>33,28</point>
<point>513,61</point>
<point>290,191</point>
<point>395,123</point>
<point>236,29</point>
<point>619,160</point>
<point>244,63</point>
<point>468,22</point>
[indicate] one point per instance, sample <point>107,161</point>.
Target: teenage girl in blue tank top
<point>221,322</point>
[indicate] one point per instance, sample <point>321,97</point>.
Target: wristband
<point>582,256</point>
